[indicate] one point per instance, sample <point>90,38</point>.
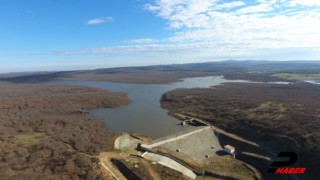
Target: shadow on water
<point>124,170</point>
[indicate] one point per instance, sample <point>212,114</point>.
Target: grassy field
<point>229,167</point>
<point>29,140</point>
<point>296,76</point>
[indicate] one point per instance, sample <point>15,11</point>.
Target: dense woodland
<point>47,133</point>
<point>278,117</point>
<point>46,130</point>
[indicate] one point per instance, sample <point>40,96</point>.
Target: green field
<point>295,76</point>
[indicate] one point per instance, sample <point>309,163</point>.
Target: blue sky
<point>84,34</point>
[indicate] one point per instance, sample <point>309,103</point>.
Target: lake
<point>144,115</point>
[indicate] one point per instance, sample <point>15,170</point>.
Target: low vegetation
<point>228,167</point>
<point>297,76</point>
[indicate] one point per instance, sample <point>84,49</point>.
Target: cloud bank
<point>260,23</point>
<point>219,28</point>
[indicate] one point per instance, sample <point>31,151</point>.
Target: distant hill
<point>249,70</point>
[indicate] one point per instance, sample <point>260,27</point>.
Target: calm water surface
<point>144,115</point>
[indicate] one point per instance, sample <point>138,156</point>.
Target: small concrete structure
<point>229,149</point>
<point>144,147</point>
<point>125,142</point>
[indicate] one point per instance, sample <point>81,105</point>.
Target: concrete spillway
<point>198,144</point>
<point>165,161</point>
<point>175,138</point>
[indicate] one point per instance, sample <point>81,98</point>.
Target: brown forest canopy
<point>46,131</point>
<point>279,117</point>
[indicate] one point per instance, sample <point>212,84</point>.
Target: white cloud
<point>190,13</point>
<point>169,51</point>
<point>100,20</point>
<point>143,41</point>
<point>251,25</point>
<point>305,2</point>
<point>214,28</point>
<point>145,48</point>
<point>230,5</point>
<point>193,52</point>
<point>255,9</point>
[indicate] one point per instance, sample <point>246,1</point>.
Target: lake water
<point>144,115</point>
